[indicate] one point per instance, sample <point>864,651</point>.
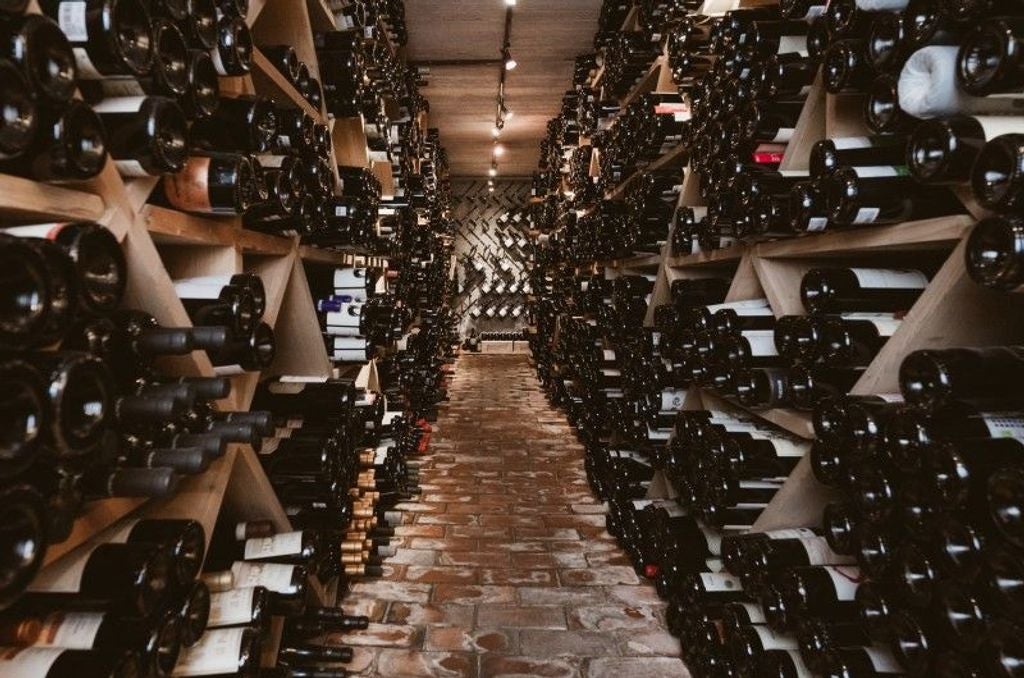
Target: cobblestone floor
<point>504,566</point>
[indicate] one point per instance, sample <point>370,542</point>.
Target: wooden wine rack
<point>162,244</point>
<point>952,311</point>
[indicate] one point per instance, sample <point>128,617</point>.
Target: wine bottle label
<point>770,640</point>
<point>740,307</point>
<point>120,105</point>
<point>609,356</point>
<point>866,215</point>
<point>844,579</point>
<point>885,323</point>
<point>847,143</point>
<point>719,582</point>
<point>350,356</point>
<point>672,399</point>
<point>71,19</point>
<point>714,565</point>
<point>28,662</point>
<point>791,533</point>
<point>890,397</point>
<point>877,171</point>
<point>783,135</point>
<point>122,87</point>
<point>1004,424</point>
<point>46,231</point>
<point>189,189</point>
<point>286,544</point>
<point>882,659</point>
<point>786,447</point>
<point>755,613</point>
<point>70,630</point>
<point>762,342</point>
<point>348,317</point>
<point>998,125</point>
<point>757,485</point>
<point>231,608</point>
<point>816,224</point>
<point>228,370</point>
<point>197,288</point>
<point>793,43</point>
<point>658,434</point>
<point>302,379</point>
<point>274,576</point>
<point>820,553</point>
<point>903,279</point>
<point>611,373</point>
<point>217,652</point>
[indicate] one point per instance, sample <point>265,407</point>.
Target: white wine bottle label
<point>845,580</point>
<point>891,278</point>
<point>720,582</point>
<point>762,342</point>
<point>302,379</point>
<point>817,224</point>
<point>791,533</point>
<point>274,576</point>
<point>86,69</point>
<point>820,553</point>
<point>793,43</point>
<point>120,105</point>
<point>757,485</point>
<point>783,136</point>
<point>998,125</point>
<point>347,317</point>
<point>739,305</point>
<point>608,356</point>
<point>231,608</point>
<point>349,356</point>
<point>28,662</point>
<point>658,433</point>
<point>611,373</point>
<point>285,544</point>
<point>350,277</point>
<point>846,143</point>
<point>672,399</point>
<point>879,171</point>
<point>755,613</point>
<point>70,630</point>
<point>197,288</point>
<point>714,565</point>
<point>46,231</point>
<point>71,19</point>
<point>885,323</point>
<point>1004,424</point>
<point>866,215</point>
<point>882,659</point>
<point>771,640</point>
<point>785,447</point>
<point>217,652</point>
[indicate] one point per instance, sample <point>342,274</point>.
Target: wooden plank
<point>270,82</point>
<point>844,116</point>
<point>350,145</point>
<point>930,233</point>
<point>810,128</point>
<point>320,16</point>
<point>172,226</point>
<point>952,311</point>
<point>322,256</point>
<point>26,201</point>
<point>799,503</point>
<point>300,345</point>
<point>286,22</point>
<point>724,255</point>
<point>96,516</point>
<point>275,272</point>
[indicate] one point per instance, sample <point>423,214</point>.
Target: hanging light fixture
<point>510,63</point>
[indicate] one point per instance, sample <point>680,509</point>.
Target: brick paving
<point>504,567</point>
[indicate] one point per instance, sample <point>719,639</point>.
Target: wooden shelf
<point>721,256</point>
<point>268,80</point>
<point>676,155</point>
<point>180,228</point>
<point>25,201</point>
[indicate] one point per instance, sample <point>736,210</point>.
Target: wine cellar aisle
<point>504,566</point>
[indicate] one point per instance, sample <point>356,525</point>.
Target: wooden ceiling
<point>546,37</point>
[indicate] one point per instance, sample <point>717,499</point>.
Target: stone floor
<point>504,566</point>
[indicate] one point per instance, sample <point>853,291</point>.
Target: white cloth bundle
<point>928,87</point>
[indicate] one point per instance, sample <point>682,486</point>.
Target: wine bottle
<point>109,37</point>
<point>222,652</point>
<point>21,120</point>
<point>240,607</point>
<point>55,662</point>
<point>23,511</point>
<point>930,378</point>
<point>147,136</point>
<point>40,50</point>
<point>233,54</point>
<point>240,124</point>
<point>217,183</point>
<point>861,290</point>
<point>131,580</point>
<point>943,151</point>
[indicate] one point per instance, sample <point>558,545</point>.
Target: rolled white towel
<point>928,87</point>
<point>882,5</point>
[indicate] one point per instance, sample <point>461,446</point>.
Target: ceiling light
<point>493,171</point>
<point>496,132</point>
<point>507,113</point>
<point>510,3</point>
<point>499,150</point>
<point>510,63</point>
